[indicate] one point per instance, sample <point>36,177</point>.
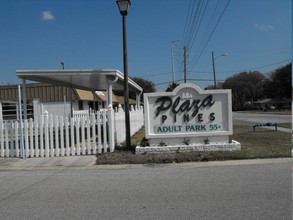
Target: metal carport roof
<point>88,79</point>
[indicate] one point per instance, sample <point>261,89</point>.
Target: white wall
<point>57,108</point>
<point>1,111</point>
<point>37,107</point>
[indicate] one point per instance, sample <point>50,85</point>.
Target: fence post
<point>26,138</point>
<point>57,151</point>
<point>111,128</point>
<point>93,120</point>
<point>77,126</point>
<point>15,128</point>
<point>37,152</point>
<point>46,136</point>
<point>88,135</point>
<point>61,126</point>
<point>105,130</point>
<point>82,136</point>
<point>21,124</point>
<point>1,139</point>
<point>31,133</point>
<point>99,132</point>
<point>67,149</point>
<point>72,136</point>
<point>1,117</point>
<point>51,135</point>
<point>41,126</point>
<point>6,139</point>
<point>10,138</point>
<point>120,121</point>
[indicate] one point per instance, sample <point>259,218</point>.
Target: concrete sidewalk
<point>72,161</point>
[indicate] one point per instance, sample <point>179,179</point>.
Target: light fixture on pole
<point>214,66</point>
<point>123,8</point>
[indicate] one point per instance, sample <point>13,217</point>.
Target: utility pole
<point>185,63</point>
<point>214,70</point>
<point>214,66</point>
<point>172,59</point>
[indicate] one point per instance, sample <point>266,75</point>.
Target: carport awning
<point>81,79</point>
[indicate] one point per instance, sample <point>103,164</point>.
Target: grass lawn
<point>264,143</point>
<point>285,125</point>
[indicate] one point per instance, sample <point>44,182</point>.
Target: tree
<point>172,86</point>
<point>246,87</point>
<point>278,85</point>
<point>146,85</point>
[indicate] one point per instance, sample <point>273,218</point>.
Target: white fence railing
<point>83,113</point>
<point>55,136</point>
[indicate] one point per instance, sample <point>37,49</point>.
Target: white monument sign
<point>188,115</point>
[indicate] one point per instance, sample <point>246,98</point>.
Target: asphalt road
<point>259,189</point>
<point>249,118</point>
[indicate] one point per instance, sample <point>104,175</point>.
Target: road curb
<point>90,164</point>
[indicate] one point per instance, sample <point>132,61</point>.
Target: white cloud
<point>264,27</point>
<point>47,16</point>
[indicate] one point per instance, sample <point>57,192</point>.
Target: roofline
<point>66,71</point>
<point>110,72</point>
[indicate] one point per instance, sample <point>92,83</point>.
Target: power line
<point>157,74</point>
<point>196,23</point>
<point>200,18</point>
<point>222,80</point>
<point>197,13</point>
<point>246,69</point>
<point>187,21</point>
<point>208,34</point>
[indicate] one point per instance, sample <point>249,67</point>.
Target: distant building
<point>272,104</point>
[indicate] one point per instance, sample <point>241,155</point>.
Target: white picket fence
<point>136,122</point>
<point>55,136</point>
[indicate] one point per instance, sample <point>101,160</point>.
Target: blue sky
<point>256,34</point>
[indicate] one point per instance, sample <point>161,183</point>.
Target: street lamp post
<point>123,8</point>
<point>214,67</point>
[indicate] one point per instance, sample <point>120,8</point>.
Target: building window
<point>10,110</point>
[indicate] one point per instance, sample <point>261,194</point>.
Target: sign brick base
<point>234,145</point>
